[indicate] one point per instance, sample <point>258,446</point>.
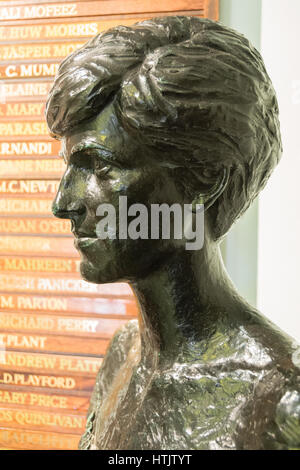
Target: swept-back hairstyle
<point>192,89</point>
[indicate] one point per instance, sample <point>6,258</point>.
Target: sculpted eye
<point>101,167</point>
<point>103,163</point>
<point>94,160</point>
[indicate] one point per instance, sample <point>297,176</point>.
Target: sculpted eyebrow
<point>83,156</point>
<point>102,151</point>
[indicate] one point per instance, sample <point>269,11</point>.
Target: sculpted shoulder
<point>282,349</point>
<point>286,432</point>
<point>125,340</point>
<point>275,401</point>
<point>117,353</point>
<point>287,421</point>
<point>119,346</point>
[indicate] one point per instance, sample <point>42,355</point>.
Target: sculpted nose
<point>67,204</point>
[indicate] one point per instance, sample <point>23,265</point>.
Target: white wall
<point>239,249</point>
<point>279,204</point>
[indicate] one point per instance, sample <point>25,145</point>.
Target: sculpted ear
<point>211,185</point>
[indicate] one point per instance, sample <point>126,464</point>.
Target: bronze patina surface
<point>175,110</point>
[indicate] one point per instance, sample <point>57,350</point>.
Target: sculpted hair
<point>191,89</point>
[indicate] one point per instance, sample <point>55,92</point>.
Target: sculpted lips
<point>83,239</point>
<point>79,234</point>
<point>84,242</point>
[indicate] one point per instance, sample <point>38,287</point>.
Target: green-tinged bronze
<point>176,110</point>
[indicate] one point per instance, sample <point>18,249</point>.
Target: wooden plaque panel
<point>51,168</point>
<point>54,327</point>
<point>21,206</point>
<point>41,264</point>
<point>24,91</point>
<point>49,364</point>
<point>36,9</point>
<point>34,226</point>
<point>67,29</point>
<point>29,188</point>
<point>44,401</point>
<point>31,419</point>
<point>58,284</point>
<point>44,50</point>
<point>38,246</point>
<point>52,343</point>
<point>22,111</point>
<point>23,129</point>
<point>67,304</point>
<point>37,440</point>
<point>29,148</point>
<point>68,325</point>
<point>55,382</point>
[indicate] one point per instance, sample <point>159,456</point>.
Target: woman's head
<point>192,93</point>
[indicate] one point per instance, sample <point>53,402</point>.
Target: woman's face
<point>105,163</point>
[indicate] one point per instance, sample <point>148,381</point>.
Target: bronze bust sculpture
<point>175,110</point>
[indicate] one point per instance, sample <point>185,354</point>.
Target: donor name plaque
<point>54,327</point>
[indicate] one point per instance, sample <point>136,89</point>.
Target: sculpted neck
<point>181,302</point>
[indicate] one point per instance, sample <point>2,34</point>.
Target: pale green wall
<point>240,246</point>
